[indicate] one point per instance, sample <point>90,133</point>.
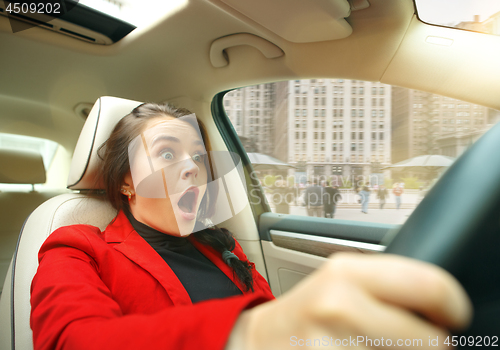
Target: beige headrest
<point>21,167</point>
<point>107,111</point>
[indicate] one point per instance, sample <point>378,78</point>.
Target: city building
<point>420,120</point>
<point>250,110</point>
<point>453,144</point>
<point>492,24</point>
<point>475,25</point>
<point>282,127</point>
<point>336,127</point>
<point>333,127</point>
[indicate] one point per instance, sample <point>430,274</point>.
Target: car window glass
<point>46,148</point>
<point>485,16</point>
<point>351,135</point>
<point>139,13</point>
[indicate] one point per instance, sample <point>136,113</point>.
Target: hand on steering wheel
<point>457,227</point>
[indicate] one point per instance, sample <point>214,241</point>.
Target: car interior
<point>71,82</point>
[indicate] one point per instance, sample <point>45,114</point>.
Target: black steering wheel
<point>457,227</point>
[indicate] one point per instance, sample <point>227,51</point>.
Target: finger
<point>391,326</point>
<point>415,285</point>
<point>355,318</point>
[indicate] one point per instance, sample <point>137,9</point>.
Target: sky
<point>136,12</point>
<point>451,12</point>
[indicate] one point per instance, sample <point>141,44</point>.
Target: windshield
<point>475,15</point>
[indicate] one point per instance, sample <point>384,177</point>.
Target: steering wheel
<point>457,227</point>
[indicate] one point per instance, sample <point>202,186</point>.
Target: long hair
<point>115,165</point>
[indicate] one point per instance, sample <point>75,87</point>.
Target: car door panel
<point>294,246</point>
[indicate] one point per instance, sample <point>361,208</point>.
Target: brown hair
<point>115,165</point>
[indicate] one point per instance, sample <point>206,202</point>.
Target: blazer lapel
<point>134,247</point>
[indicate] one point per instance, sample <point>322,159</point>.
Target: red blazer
<point>111,290</point>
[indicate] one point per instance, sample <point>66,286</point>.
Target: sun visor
<point>305,21</point>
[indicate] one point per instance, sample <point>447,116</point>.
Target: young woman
<point>157,278</point>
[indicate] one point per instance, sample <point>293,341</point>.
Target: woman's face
<point>168,175</point>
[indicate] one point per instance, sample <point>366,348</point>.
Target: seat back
<point>15,206</point>
<point>18,166</point>
<point>63,210</point>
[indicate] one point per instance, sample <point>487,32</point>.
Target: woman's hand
<point>352,299</point>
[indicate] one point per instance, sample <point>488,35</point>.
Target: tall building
<point>281,126</point>
<point>492,24</point>
<point>401,127</point>
<point>420,120</point>
<point>474,25</point>
<point>454,143</point>
<point>333,126</point>
<point>250,110</point>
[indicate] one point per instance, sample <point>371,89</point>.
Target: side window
<point>45,148</point>
<point>338,143</point>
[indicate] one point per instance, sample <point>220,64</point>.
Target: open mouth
<point>187,202</point>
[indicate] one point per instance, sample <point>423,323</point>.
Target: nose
<point>189,168</point>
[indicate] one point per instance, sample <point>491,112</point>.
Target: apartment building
<point>422,121</point>
<point>250,110</point>
<point>334,126</point>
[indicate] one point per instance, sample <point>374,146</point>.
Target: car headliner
<point>45,75</point>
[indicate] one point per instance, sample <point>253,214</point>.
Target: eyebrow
<point>173,139</point>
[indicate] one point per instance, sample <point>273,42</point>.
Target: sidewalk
<point>409,200</point>
<point>385,216</point>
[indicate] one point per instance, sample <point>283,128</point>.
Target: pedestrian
<point>398,191</point>
<point>314,199</point>
<point>282,196</point>
<point>365,197</point>
<point>330,199</point>
<point>357,189</point>
<point>382,195</point>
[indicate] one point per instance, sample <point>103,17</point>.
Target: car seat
<point>18,166</point>
<point>62,210</point>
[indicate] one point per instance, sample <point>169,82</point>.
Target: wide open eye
<point>197,158</point>
<point>167,155</point>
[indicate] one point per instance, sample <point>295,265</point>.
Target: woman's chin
<point>186,231</point>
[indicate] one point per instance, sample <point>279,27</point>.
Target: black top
<point>199,276</point>
<point>331,197</point>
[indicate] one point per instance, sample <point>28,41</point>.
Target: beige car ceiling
<point>45,75</point>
